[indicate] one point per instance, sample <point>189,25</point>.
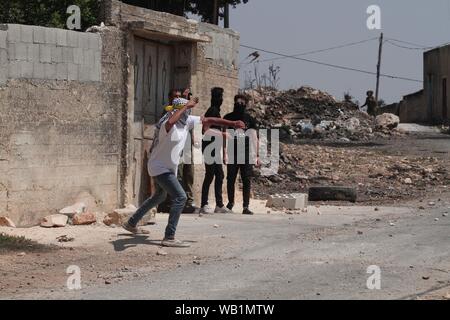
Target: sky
<point>296,26</point>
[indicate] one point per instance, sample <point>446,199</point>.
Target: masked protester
<point>213,171</point>
<point>170,137</point>
<point>242,153</point>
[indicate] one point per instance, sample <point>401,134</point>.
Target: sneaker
<point>134,230</point>
<point>247,212</point>
<point>206,210</point>
<point>174,243</point>
<point>222,210</point>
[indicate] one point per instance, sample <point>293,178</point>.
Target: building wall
<point>436,66</point>
<point>412,109</point>
<point>60,113</point>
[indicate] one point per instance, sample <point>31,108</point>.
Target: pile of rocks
<point>311,113</point>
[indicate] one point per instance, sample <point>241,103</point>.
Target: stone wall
<point>60,128</point>
<point>413,108</point>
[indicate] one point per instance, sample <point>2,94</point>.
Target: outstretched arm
<point>207,122</point>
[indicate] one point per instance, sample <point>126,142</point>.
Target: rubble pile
<point>311,113</point>
<point>377,177</point>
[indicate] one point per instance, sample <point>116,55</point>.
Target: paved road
<point>306,256</point>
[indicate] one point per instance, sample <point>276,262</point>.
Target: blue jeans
<point>166,183</point>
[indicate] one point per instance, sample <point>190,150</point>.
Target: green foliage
<point>48,13</point>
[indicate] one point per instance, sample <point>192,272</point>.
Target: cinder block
<point>293,201</point>
<point>50,71</point>
<point>26,68</point>
<point>50,36</point>
<point>26,34</point>
<point>13,33</point>
<point>3,35</point>
<point>39,35</point>
<point>83,40</point>
<point>57,56</point>
<point>72,39</point>
<point>67,54</point>
<point>45,53</point>
<point>20,51</point>
<point>3,57</point>
<point>14,71</point>
<point>61,71</point>
<point>72,72</point>
<point>84,73</point>
<point>33,52</point>
<point>78,55</point>
<point>94,41</point>
<point>88,57</point>
<point>61,37</point>
<point>3,74</point>
<point>38,70</point>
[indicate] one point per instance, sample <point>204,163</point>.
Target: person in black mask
<point>213,171</point>
<point>242,160</point>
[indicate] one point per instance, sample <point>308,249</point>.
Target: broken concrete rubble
<point>84,218</point>
<point>120,216</point>
<point>6,222</point>
<point>54,220</point>
<point>387,121</point>
<point>311,113</point>
<point>76,208</point>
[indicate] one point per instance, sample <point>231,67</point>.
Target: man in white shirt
<point>170,138</point>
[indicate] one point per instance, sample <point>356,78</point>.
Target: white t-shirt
<point>166,154</point>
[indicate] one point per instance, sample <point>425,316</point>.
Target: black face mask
<point>239,108</point>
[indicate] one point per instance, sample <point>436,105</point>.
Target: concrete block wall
<point>59,139</point>
<point>34,52</point>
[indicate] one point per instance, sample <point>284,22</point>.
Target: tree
<point>48,13</point>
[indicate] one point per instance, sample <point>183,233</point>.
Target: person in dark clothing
<point>214,170</point>
<point>241,160</point>
<point>371,104</point>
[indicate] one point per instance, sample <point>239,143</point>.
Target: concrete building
<point>431,105</point>
<point>77,110</point>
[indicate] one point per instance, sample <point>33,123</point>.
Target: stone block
<point>67,55</point>
<point>78,55</point>
<point>57,54</point>
<point>83,40</point>
<point>26,34</point>
<point>14,71</point>
<point>33,52</point>
<point>62,71</point>
<point>55,220</point>
<point>50,71</point>
<point>45,53</point>
<point>20,52</point>
<point>72,39</point>
<point>3,35</point>
<point>61,37</point>
<point>72,70</point>
<point>39,35</point>
<point>3,57</point>
<point>38,70</point>
<point>26,69</point>
<point>50,36</point>
<point>13,33</point>
<point>294,201</point>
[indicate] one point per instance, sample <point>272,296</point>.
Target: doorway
<point>444,100</point>
<point>153,70</point>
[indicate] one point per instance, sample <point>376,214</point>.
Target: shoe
<point>230,206</point>
<point>134,230</point>
<point>173,243</point>
<point>247,212</point>
<point>222,210</point>
<point>206,210</point>
<point>190,209</point>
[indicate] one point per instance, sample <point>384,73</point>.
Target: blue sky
<point>295,26</point>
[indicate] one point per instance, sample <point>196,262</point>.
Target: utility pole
<point>215,12</point>
<point>380,51</point>
<point>226,14</point>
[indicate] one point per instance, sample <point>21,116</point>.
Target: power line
<point>331,65</point>
<point>409,43</point>
<point>404,47</point>
<point>322,50</point>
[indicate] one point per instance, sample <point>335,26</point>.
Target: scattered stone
<point>54,220</point>
<point>120,216</point>
<point>196,262</point>
<point>392,224</point>
<point>70,211</point>
<point>408,181</point>
<point>436,219</point>
<point>65,238</point>
<point>387,121</point>
<point>431,203</point>
<point>84,218</point>
<point>377,209</point>
<point>445,215</point>
<point>6,222</point>
<point>21,254</point>
<point>360,232</point>
<point>426,277</point>
<point>107,282</point>
<point>216,226</point>
<point>421,208</point>
<point>161,253</point>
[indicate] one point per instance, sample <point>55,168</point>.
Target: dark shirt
<point>212,112</point>
<point>250,123</point>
